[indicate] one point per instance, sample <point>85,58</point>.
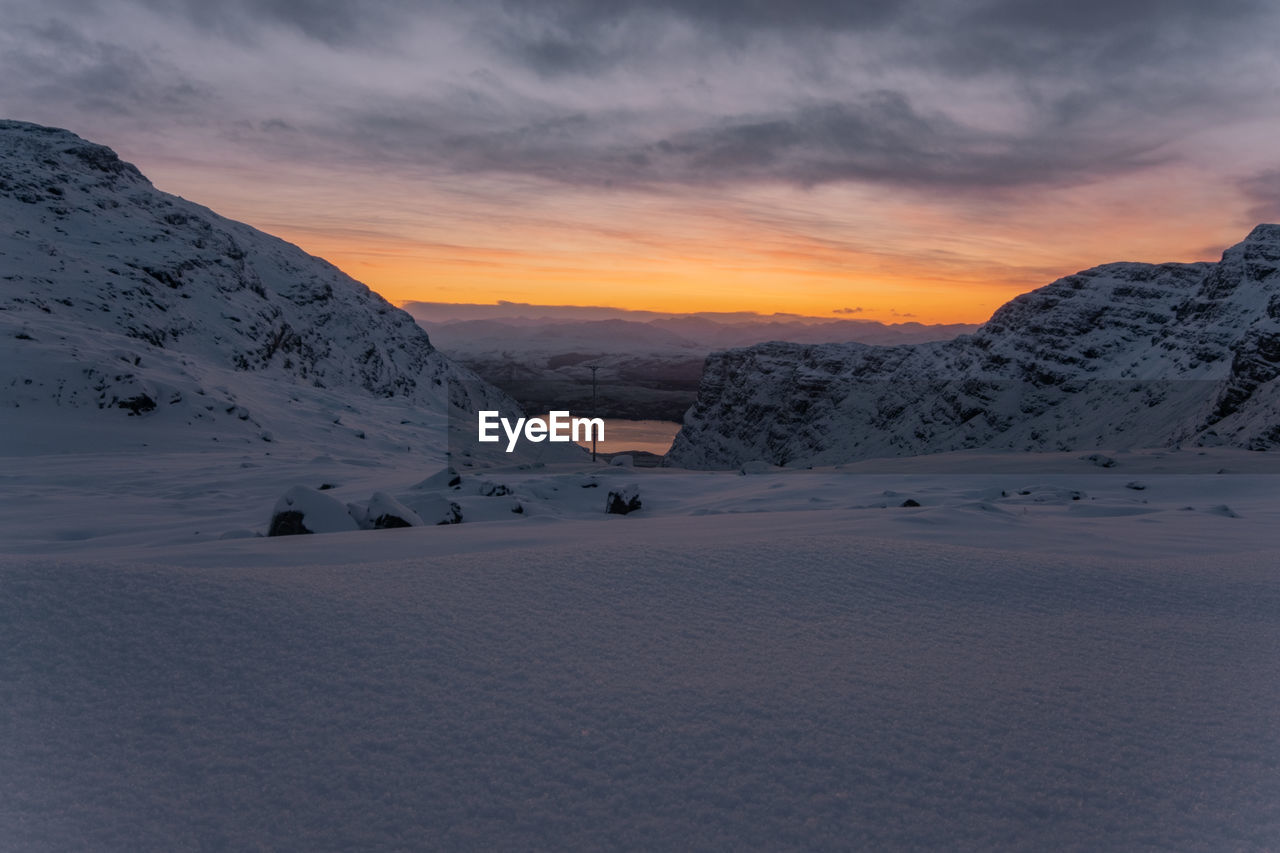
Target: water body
<point>623,435</point>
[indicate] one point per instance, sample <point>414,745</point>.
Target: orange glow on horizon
<point>765,249</point>
<point>478,276</point>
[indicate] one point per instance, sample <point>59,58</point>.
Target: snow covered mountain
<point>128,314</point>
<point>1123,355</point>
<point>648,369</point>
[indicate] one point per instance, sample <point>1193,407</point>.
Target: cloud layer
<point>955,104</point>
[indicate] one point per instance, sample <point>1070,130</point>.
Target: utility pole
<point>594,412</point>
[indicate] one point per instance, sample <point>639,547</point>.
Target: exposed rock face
<point>385,512</point>
<point>287,523</point>
<point>623,500</point>
<point>118,297</point>
<point>1122,355</point>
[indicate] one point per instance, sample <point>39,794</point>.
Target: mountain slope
<point>119,301</point>
<point>647,369</point>
<point>1122,355</point>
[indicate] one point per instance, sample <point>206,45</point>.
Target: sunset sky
<point>884,160</point>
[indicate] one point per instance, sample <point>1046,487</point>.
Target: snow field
<point>727,682</point>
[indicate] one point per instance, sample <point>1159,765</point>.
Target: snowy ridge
<point>123,301</point>
<point>1122,355</point>
<point>647,368</point>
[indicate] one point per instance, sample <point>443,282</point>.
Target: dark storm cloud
<point>1107,86</point>
<point>577,23</point>
<point>883,138</point>
<point>950,95</point>
<point>336,23</point>
<point>879,138</point>
<point>554,55</point>
<point>1091,17</point>
<point>1145,49</point>
<point>963,36</point>
<point>65,65</point>
<point>731,14</point>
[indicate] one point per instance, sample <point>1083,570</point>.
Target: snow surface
<point>1072,650</point>
<point>1040,655</point>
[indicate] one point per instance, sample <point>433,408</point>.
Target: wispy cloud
<point>1017,110</point>
<point>1263,189</point>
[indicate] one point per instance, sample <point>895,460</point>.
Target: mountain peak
<point>1124,355</point>
<point>56,154</point>
<point>129,311</point>
<point>1264,233</point>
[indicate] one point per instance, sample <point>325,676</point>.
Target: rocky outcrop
<point>119,298</point>
<point>623,500</point>
<point>302,510</point>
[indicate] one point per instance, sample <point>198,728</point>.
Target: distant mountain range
<point>1124,355</point>
<point>121,304</point>
<point>131,316</point>
<point>650,364</point>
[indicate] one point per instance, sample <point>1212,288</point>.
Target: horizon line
<point>840,315</point>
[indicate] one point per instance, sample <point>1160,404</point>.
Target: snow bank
<point>305,510</point>
<point>384,511</point>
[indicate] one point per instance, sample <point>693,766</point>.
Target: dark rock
<point>623,500</point>
<point>305,510</point>
<point>138,404</point>
<point>287,523</point>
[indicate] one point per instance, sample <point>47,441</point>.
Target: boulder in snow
<point>433,508</point>
<point>386,512</point>
<point>305,510</point>
<point>623,500</point>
